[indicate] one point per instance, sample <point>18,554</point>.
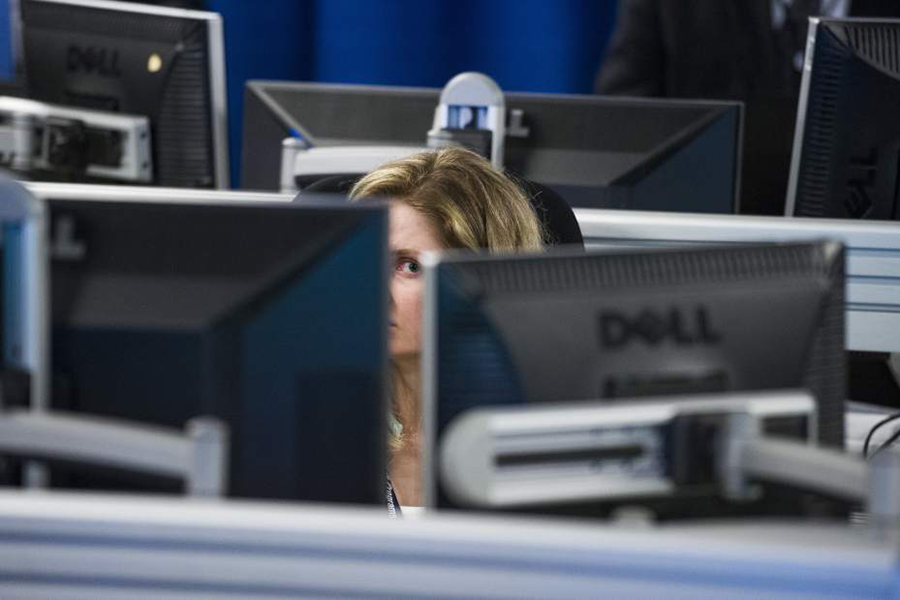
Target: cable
<point>877,426</point>
<point>888,442</point>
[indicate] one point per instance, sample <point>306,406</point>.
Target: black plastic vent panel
<point>831,62</point>
<point>184,124</point>
<point>878,43</point>
<point>98,21</point>
<point>676,267</point>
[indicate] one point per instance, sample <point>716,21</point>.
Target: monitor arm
<point>199,455</point>
<point>746,454</point>
<point>504,457</point>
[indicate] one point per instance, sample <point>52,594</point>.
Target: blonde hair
<point>470,203</point>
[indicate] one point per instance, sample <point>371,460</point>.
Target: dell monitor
<point>163,63</point>
<point>269,316</point>
<point>566,328</point>
<point>847,142</point>
<point>602,152</point>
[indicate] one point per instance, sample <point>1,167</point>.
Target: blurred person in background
<point>747,50</point>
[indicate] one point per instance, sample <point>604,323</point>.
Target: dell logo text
<point>93,60</point>
<point>681,326</point>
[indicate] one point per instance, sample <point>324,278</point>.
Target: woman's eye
<point>407,266</point>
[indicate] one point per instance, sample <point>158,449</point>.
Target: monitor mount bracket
<point>39,139</point>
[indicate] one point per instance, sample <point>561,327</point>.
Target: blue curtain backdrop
<point>525,45</point>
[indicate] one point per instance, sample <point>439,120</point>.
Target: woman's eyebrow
<point>405,251</point>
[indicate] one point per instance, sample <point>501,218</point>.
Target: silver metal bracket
<point>602,450</point>
<point>36,137</point>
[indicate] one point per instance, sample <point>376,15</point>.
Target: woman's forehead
<point>411,229</point>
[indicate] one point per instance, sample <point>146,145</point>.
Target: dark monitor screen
<point>563,328</point>
<point>269,316</point>
<point>596,151</point>
<point>163,63</point>
<point>847,142</point>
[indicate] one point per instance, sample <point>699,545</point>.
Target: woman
<point>448,198</point>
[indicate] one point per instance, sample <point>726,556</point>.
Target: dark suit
<point>722,49</point>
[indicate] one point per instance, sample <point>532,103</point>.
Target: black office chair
<point>340,183</point>
<point>560,225</point>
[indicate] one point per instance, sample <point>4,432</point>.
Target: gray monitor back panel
<point>596,151</point>
<point>873,256</point>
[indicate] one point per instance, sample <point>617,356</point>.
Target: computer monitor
<point>569,327</point>
<point>270,316</point>
<point>674,155</point>
<point>847,140</point>
<point>163,63</point>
